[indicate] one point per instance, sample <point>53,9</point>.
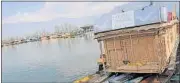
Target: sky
<point>26,18</point>
<point>20,18</point>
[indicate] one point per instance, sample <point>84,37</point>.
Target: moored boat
<point>84,79</point>
<point>118,78</point>
<point>147,80</point>
<point>93,78</point>
<point>136,80</point>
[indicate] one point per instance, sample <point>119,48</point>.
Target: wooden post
<point>104,68</point>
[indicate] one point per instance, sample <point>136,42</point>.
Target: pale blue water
<point>57,60</point>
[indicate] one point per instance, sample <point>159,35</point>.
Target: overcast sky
<point>18,12</point>
<point>25,18</point>
<point>16,15</point>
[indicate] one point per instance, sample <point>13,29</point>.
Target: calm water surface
<point>56,60</point>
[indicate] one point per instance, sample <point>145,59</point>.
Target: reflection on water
<point>56,60</point>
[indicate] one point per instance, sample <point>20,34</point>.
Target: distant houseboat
<point>45,37</point>
<point>54,36</point>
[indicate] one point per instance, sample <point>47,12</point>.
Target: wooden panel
<point>134,50</point>
<point>112,58</point>
<point>110,44</point>
<point>170,40</point>
<point>107,53</point>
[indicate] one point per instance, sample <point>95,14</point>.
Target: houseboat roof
<point>131,27</point>
<point>148,28</point>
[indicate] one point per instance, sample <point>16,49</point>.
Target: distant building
<point>87,28</point>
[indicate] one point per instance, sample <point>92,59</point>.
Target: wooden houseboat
<point>140,49</point>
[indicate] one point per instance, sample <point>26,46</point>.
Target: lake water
<point>56,60</point>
